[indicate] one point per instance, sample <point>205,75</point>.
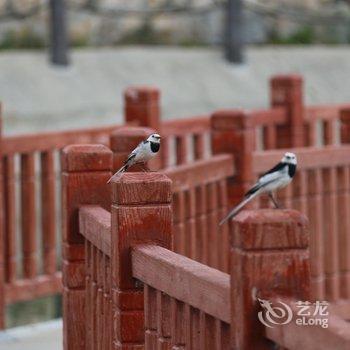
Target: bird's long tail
<point>121,170</point>
<point>237,208</point>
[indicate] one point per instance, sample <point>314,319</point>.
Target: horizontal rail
<point>95,226</point>
<point>178,127</point>
<point>265,117</point>
<point>326,112</point>
<point>293,337</point>
<point>183,279</point>
<point>26,143</point>
<point>200,172</point>
<point>308,157</point>
<point>38,287</point>
<point>341,308</point>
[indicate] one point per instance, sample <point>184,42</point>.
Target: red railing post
<point>86,169</point>
<point>269,257</point>
<point>287,91</point>
<point>142,106</point>
<point>2,232</point>
<point>233,133</point>
<point>141,213</point>
<point>345,125</point>
<point>123,141</point>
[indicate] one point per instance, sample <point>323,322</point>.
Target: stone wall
<point>111,22</point>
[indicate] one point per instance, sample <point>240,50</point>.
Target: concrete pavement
<point>37,96</point>
<point>41,336</point>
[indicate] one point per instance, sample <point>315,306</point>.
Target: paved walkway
<point>46,336</point>
<point>37,96</point>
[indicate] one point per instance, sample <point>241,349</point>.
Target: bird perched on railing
<point>144,152</point>
<point>277,177</point>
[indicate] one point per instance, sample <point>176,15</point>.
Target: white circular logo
<point>274,315</point>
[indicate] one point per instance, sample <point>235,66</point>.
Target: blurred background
<point>65,64</point>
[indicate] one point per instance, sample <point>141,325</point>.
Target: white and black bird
<point>144,152</point>
<point>277,177</point>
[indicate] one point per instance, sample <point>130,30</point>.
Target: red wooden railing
<point>31,264</point>
<point>199,203</point>
<point>180,303</point>
<point>293,337</point>
<point>321,190</point>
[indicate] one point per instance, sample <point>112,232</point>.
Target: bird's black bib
<point>155,147</point>
<point>291,169</point>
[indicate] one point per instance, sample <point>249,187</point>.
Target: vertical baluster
<point>224,249</point>
<point>94,338</point>
<point>223,335</point>
<point>329,132</point>
<point>99,310</point>
<point>188,326</point>
<point>88,300</point>
<point>179,222</point>
<point>312,133</point>
<point>28,223</point>
<point>165,152</point>
<point>10,218</point>
<point>344,228</point>
<point>150,297</point>
<point>48,211</point>
<point>202,331</point>
<point>201,226</point>
<point>315,215</point>
<point>199,146</point>
<point>108,305</point>
<point>196,340</point>
<point>212,225</point>
<point>270,137</point>
<point>163,321</point>
<point>191,241</point>
<point>211,332</point>
<point>181,145</point>
<point>303,191</point>
<point>299,192</point>
<point>103,307</point>
<point>178,325</point>
<point>331,235</point>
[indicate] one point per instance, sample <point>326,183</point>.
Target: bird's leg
<point>277,206</point>
<point>145,167</point>
<point>149,170</point>
<point>141,166</point>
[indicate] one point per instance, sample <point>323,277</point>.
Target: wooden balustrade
<point>321,190</point>
<point>85,171</point>
<point>31,188</point>
<point>292,336</point>
<point>182,303</point>
<point>199,203</point>
<point>269,256</point>
<point>186,303</point>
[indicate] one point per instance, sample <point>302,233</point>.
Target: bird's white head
<point>154,138</point>
<point>289,158</point>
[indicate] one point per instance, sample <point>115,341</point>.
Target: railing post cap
<point>141,188</point>
<point>93,157</point>
<point>270,229</point>
<point>127,138</point>
<point>230,119</point>
<point>345,114</point>
<point>286,79</point>
<point>135,94</point>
